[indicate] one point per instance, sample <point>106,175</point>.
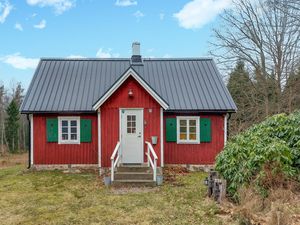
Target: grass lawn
<point>28,197</point>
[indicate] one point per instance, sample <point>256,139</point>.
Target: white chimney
<point>136,58</point>
<point>136,48</point>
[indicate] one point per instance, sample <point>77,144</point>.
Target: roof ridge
<point>127,59</point>
<point>83,59</point>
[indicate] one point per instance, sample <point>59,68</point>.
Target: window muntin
<point>69,130</point>
<point>131,124</point>
<point>188,129</point>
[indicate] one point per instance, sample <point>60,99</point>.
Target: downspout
<point>229,116</point>
<point>29,142</point>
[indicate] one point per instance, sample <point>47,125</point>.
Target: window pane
<point>193,137</point>
<point>128,130</point>
<point>182,122</point>
<point>64,130</point>
<point>133,118</point>
<point>73,130</point>
<point>73,136</point>
<point>133,130</point>
<point>182,129</point>
<point>128,118</point>
<point>183,136</point>
<point>128,124</point>
<point>192,129</point>
<point>64,123</point>
<point>73,123</point>
<point>133,124</point>
<point>192,123</point>
<point>64,136</point>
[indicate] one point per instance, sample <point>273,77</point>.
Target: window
<point>69,129</point>
<point>131,124</point>
<point>188,129</point>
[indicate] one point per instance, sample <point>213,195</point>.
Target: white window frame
<point>197,118</point>
<point>69,118</point>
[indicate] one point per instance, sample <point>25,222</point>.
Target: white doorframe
<point>120,130</point>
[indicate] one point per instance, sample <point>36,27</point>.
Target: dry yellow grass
<point>28,197</point>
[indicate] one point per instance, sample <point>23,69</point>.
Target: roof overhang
<point>121,80</point>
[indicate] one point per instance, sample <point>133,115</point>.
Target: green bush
<point>274,143</point>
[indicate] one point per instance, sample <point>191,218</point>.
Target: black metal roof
<point>74,85</point>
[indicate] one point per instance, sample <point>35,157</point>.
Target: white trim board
<point>225,129</point>
<point>161,137</point>
<point>132,73</point>
<point>99,138</point>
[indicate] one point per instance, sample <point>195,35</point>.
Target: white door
<point>132,135</point>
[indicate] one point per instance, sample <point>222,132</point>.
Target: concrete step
<point>133,183</point>
<point>135,168</point>
<point>133,176</point>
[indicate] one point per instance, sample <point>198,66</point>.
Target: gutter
<point>228,118</point>
<point>29,142</point>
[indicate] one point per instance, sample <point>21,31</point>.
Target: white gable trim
<point>132,73</point>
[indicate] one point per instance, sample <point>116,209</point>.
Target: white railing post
<point>154,169</point>
<point>152,163</point>
<point>115,153</point>
<point>112,170</point>
<point>148,151</point>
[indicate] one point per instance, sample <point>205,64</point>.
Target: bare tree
<point>265,34</point>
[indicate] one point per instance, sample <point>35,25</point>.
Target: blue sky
<point>31,29</point>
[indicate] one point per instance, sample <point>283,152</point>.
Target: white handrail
<point>114,162</point>
<point>151,162</point>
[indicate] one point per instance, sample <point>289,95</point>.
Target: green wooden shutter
<point>85,130</point>
<point>171,131</point>
<point>52,129</point>
<point>205,130</point>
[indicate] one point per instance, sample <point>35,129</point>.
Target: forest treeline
<point>259,42</point>
<point>13,126</point>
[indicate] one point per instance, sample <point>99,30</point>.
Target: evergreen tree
<point>291,92</point>
<point>241,89</point>
<point>12,126</point>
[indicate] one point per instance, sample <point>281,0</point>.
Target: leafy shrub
<point>273,145</point>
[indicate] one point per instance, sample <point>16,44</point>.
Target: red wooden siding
<point>110,117</point>
<point>203,153</point>
<point>54,153</point>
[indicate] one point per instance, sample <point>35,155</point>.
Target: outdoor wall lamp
<point>130,93</point>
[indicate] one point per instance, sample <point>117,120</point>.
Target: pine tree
<point>291,92</point>
<point>12,126</point>
<point>241,89</point>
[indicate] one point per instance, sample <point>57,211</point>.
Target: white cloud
<point>124,3</point>
<point>5,8</point>
<point>19,62</point>
<point>161,16</point>
<point>138,15</point>
<point>197,13</point>
<point>76,57</point>
<point>150,50</point>
<point>40,25</point>
<point>167,55</point>
<point>19,26</point>
<point>59,6</point>
<point>106,54</point>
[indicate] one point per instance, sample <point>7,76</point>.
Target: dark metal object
<point>29,145</point>
<point>209,181</point>
<point>215,186</point>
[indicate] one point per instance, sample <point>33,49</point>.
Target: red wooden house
<point>103,112</point>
